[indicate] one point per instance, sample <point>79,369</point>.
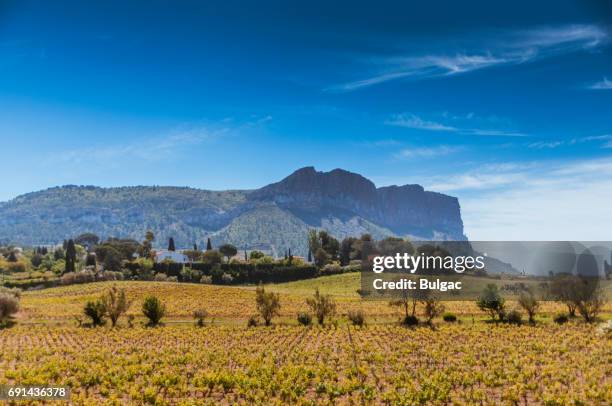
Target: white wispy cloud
<point>413,121</point>
<point>426,152</point>
<point>604,84</point>
<point>510,48</point>
<point>606,138</point>
<point>410,120</point>
<point>159,147</point>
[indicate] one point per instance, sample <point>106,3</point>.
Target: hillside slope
<point>275,217</point>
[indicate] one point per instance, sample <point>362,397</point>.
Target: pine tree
<point>208,245</point>
<point>171,246</point>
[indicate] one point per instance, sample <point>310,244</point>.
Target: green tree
<point>208,244</point>
<point>95,310</point>
<point>171,246</point>
<point>87,240</point>
<point>147,245</point>
<point>70,257</point>
<point>153,309</point>
<point>529,303</point>
<point>228,251</point>
<point>256,254</point>
<point>212,257</point>
<point>492,302</point>
<point>323,306</point>
<point>115,304</point>
<point>268,304</point>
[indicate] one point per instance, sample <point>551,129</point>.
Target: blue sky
<point>506,105</point>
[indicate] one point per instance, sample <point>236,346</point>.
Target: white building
<point>174,256</point>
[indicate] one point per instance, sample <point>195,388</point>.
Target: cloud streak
<point>512,48</point>
<point>409,120</point>
<point>604,84</point>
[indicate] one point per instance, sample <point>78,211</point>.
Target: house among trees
<point>174,256</point>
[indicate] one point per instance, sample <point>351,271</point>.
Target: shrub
<point>200,315</point>
<point>514,317</point>
<point>115,304</point>
<point>227,279</point>
<point>331,269</point>
<point>95,311</point>
<point>491,301</point>
<point>268,304</point>
<point>356,317</point>
<point>590,304</point>
<point>323,306</point>
<point>433,308</point>
<point>561,318</point>
<point>206,279</point>
<point>9,304</point>
<point>252,322</point>
<point>109,276</point>
<point>71,278</point>
<point>449,317</point>
<point>153,309</point>
<point>160,277</point>
<point>304,319</point>
<point>410,320</point>
<point>530,304</point>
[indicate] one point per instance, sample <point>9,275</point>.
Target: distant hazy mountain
<point>275,217</point>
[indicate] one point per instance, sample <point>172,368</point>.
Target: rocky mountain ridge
<point>275,217</point>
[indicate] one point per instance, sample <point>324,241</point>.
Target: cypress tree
<point>70,256</point>
<point>309,256</point>
<point>195,246</point>
<point>246,258</point>
<point>208,245</point>
<point>171,246</point>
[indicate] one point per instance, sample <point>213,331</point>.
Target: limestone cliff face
<point>276,216</point>
<point>405,210</point>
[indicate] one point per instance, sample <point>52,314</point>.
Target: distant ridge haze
<point>275,217</point>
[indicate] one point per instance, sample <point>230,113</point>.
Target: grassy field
<point>225,362</point>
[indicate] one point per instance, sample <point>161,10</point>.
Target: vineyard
<point>459,364</point>
<point>226,362</point>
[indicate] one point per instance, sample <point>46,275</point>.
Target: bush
<point>530,304</point>
<point>160,277</point>
<point>200,315</point>
<point>206,279</point>
<point>9,304</point>
<point>356,317</point>
<point>109,276</point>
<point>331,269</point>
<point>449,317</point>
<point>72,278</point>
<point>115,304</point>
<point>514,317</point>
<point>561,318</point>
<point>252,322</point>
<point>268,304</point>
<point>323,306</point>
<point>304,319</point>
<point>227,279</point>
<point>491,301</point>
<point>153,309</point>
<point>95,311</point>
<point>410,320</point>
<point>433,308</point>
